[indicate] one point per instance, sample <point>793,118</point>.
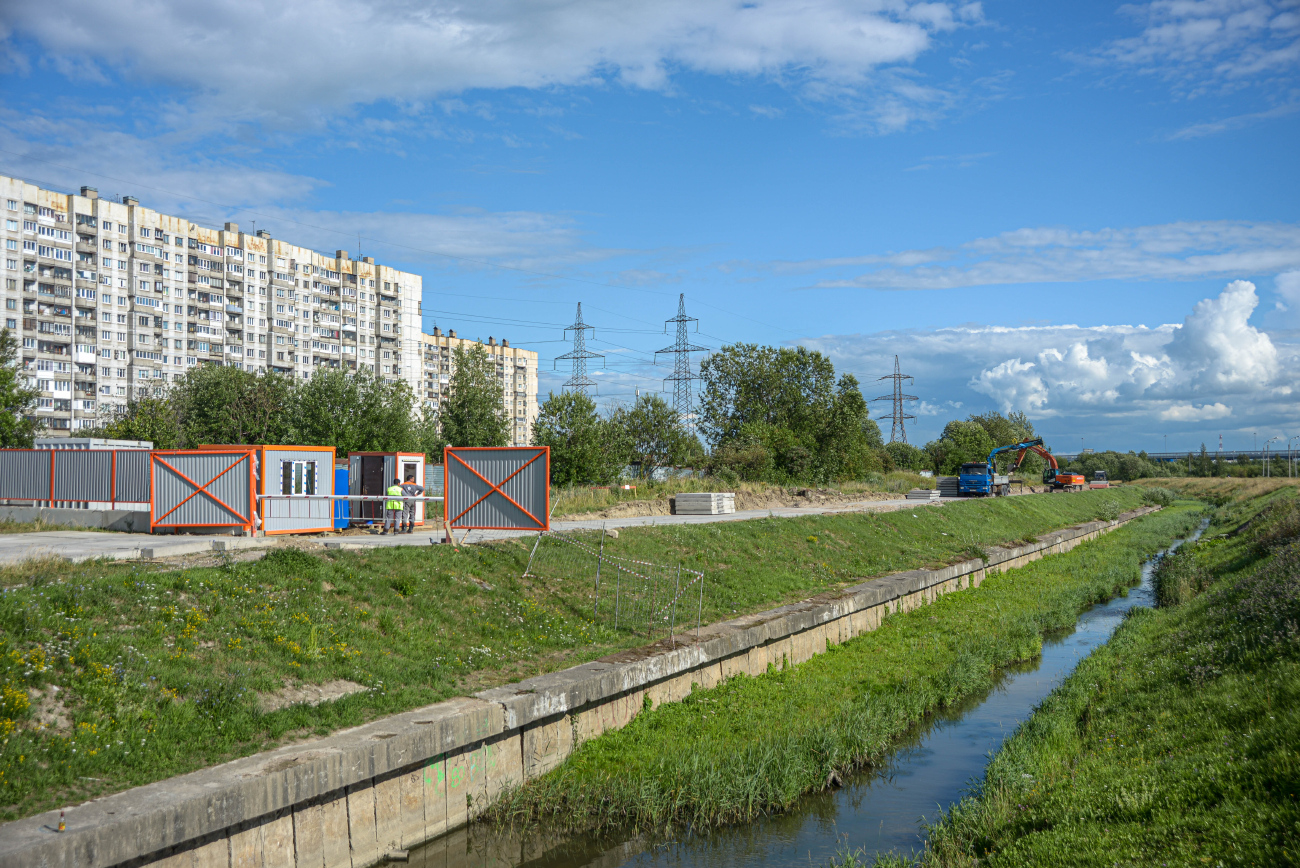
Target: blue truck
<point>981,478</point>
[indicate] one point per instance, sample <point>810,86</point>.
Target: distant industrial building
<point>516,369</point>
<point>112,300</point>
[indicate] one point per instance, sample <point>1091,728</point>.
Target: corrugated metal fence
<point>505,488</point>
<point>110,477</point>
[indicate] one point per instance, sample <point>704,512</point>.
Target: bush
<point>1157,496</point>
<point>1109,511</point>
<point>1178,577</point>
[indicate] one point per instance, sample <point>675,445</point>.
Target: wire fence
<point>627,594</point>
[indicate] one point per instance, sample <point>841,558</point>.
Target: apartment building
<point>112,300</point>
<point>516,369</point>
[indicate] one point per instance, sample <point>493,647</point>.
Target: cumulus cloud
<point>1194,413</point>
<point>1170,251</point>
<point>258,58</point>
<point>1213,367</point>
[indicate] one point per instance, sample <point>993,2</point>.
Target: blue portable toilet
<point>342,511</point>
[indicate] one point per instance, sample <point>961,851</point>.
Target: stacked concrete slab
<point>923,494</point>
<point>704,503</point>
<point>351,798</point>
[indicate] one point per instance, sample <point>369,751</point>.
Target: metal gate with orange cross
<point>497,488</point>
<point>202,488</point>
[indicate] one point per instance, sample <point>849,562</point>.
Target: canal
<point>878,810</point>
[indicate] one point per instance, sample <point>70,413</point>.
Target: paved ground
<point>80,545</point>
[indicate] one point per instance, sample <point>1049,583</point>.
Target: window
<point>298,477</point>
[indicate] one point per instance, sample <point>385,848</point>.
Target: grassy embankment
<point>651,497</point>
<point>1178,742</point>
<point>754,745</point>
<point>161,671</point>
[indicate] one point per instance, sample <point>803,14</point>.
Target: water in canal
<point>880,809</point>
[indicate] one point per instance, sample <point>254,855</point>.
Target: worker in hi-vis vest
<point>393,508</point>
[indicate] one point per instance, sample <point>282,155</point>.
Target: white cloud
<point>1120,379</point>
<point>1288,287</point>
<point>1171,251</point>
<point>1199,45</point>
<point>1194,413</point>
<point>256,59</point>
<point>1235,122</point>
<point>163,174</point>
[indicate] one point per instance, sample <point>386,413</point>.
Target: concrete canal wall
<point>348,800</point>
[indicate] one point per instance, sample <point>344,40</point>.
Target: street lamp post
<point>1290,456</point>
<point>1266,456</point>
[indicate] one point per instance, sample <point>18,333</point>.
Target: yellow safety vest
<point>394,491</point>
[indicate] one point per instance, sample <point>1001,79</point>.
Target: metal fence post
<point>672,628</point>
<point>699,613</point>
<point>618,575</point>
<point>599,557</point>
<point>537,542</point>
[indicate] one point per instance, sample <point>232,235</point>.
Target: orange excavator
<point>1060,480</point>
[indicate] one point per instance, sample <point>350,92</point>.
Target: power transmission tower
<point>898,432</point>
<point>682,376</point>
<point>579,381</point>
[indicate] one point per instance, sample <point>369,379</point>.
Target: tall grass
<point>1178,742</point>
<point>754,745</point>
<point>652,496</point>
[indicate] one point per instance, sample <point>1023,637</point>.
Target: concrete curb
<point>395,783</point>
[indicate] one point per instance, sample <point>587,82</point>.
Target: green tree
<point>17,429</point>
<point>1004,430</point>
<point>905,456</point>
<point>226,405</point>
<point>473,415</point>
<point>655,435</point>
<point>787,405</point>
<point>585,449</point>
<point>151,419</point>
<point>428,435</point>
<point>961,442</point>
<point>355,411</point>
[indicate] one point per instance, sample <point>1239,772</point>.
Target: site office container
<point>372,472</point>
<point>77,477</point>
<point>302,476</point>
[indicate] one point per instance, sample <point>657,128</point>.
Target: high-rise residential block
<point>516,368</point>
<point>113,300</point>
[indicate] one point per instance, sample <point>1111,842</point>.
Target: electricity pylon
<point>682,376</point>
<point>579,381</point>
<point>898,432</point>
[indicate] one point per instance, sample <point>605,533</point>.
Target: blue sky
<point>1088,212</point>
